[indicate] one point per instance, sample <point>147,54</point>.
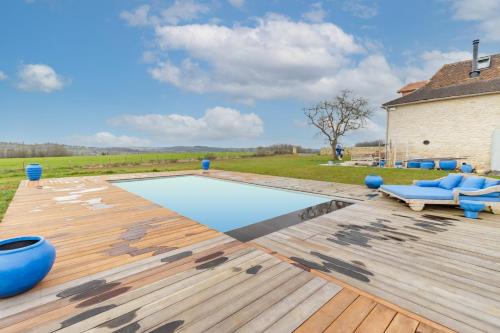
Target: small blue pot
<point>205,164</point>
<point>466,168</point>
<point>24,261</point>
<point>429,165</point>
<point>448,164</point>
<point>34,171</point>
<point>373,181</point>
<point>413,164</point>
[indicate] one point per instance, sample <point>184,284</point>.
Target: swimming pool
<point>241,210</point>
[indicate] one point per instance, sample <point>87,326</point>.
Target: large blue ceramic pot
<point>34,171</point>
<point>448,164</point>
<point>24,261</point>
<point>427,165</point>
<point>205,164</point>
<point>373,181</point>
<point>413,164</point>
<point>466,168</point>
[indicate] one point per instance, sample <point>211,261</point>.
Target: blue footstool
<point>471,208</point>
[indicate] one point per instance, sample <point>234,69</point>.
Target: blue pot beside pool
<point>34,171</point>
<point>373,181</point>
<point>447,164</point>
<point>429,165</point>
<point>413,164</point>
<point>205,164</point>
<point>466,168</point>
<point>24,261</point>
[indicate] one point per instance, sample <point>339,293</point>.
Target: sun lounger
<point>448,190</point>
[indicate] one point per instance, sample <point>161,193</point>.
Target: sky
<point>226,73</point>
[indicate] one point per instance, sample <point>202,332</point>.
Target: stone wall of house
<point>461,127</point>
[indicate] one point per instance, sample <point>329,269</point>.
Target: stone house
<point>456,114</point>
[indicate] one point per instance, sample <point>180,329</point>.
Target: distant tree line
<point>374,143</point>
<point>35,150</point>
<point>282,149</point>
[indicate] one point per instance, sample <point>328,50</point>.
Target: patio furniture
<point>471,208</point>
<point>449,190</point>
<point>373,181</point>
<point>447,164</point>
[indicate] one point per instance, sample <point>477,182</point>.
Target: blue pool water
<point>219,204</point>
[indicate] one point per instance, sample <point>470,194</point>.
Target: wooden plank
<point>402,324</point>
<point>328,313</point>
<point>290,321</point>
<point>377,320</point>
<point>350,319</point>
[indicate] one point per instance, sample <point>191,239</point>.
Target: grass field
<point>305,167</point>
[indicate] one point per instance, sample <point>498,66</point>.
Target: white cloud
<point>361,9</point>
<point>217,123</point>
<point>39,77</point>
<point>276,58</point>
<point>484,12</point>
<point>428,63</point>
<point>106,139</point>
<point>137,17</point>
<point>237,3</point>
<point>179,11</point>
<point>3,76</point>
<point>316,14</point>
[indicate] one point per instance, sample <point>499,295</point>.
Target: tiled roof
<point>453,80</point>
<point>413,86</point>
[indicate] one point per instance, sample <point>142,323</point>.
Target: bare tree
<point>335,118</point>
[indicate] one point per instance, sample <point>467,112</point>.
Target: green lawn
<point>305,167</point>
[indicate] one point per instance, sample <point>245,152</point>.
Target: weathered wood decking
<point>126,264</point>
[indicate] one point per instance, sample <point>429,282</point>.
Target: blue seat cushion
<point>479,198</point>
<point>450,181</point>
<point>472,183</point>
<point>490,183</point>
<point>428,183</point>
<point>418,192</point>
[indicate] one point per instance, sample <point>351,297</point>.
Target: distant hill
<point>11,149</point>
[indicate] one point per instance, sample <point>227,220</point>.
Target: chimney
<point>475,50</point>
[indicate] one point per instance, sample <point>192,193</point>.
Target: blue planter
<point>34,171</point>
<point>24,261</point>
<point>448,164</point>
<point>205,164</point>
<point>373,181</point>
<point>466,168</point>
<point>382,163</point>
<point>472,208</point>
<point>413,164</point>
<point>429,165</point>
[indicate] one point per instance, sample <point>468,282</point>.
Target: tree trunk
<point>334,151</point>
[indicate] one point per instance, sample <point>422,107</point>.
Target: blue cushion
<point>419,192</point>
<point>479,198</point>
<point>490,183</point>
<point>470,183</point>
<point>450,181</point>
<point>428,183</point>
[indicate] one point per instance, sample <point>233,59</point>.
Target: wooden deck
<point>125,264</point>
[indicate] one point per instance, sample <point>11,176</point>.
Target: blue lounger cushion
<point>427,183</point>
<point>470,183</point>
<point>419,192</point>
<point>450,181</point>
<point>490,183</point>
<point>479,198</point>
